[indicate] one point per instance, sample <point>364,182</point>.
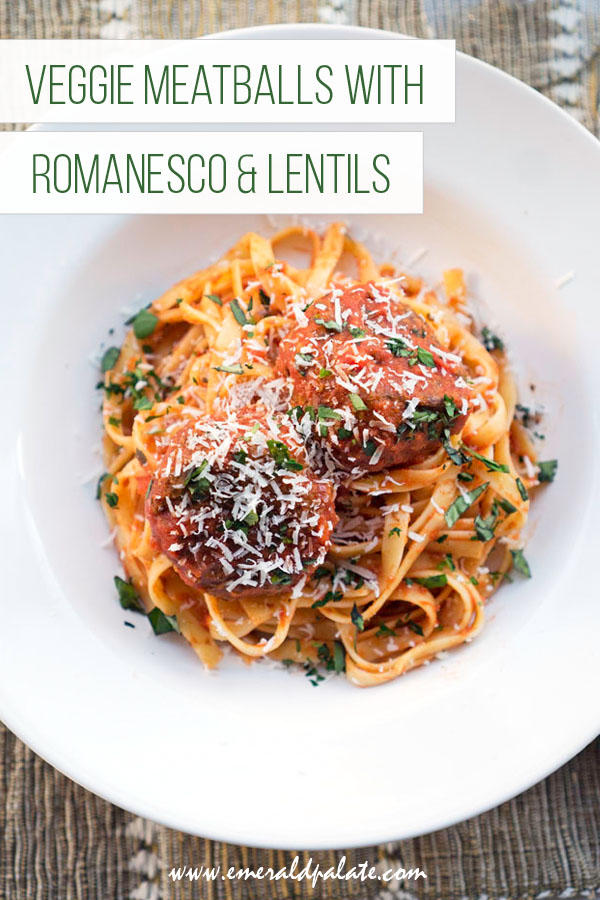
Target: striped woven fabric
<point>58,841</point>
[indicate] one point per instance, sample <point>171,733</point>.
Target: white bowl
<point>254,754</point>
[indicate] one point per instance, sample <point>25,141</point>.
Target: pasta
<point>415,550</point>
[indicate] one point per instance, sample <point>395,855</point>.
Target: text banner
<point>212,81</point>
<point>211,172</point>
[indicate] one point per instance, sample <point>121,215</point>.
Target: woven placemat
<point>58,841</point>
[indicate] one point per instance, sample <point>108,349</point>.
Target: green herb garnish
<point>109,359</point>
<point>397,347</point>
<point>490,464</point>
<point>330,325</point>
<point>433,581</point>
<point>233,369</point>
<point>450,407</point>
<point>325,412</point>
<point>358,403</point>
<point>278,576</point>
<point>128,597</point>
<point>520,563</point>
<point>425,357</point>
<point>447,563</point>
<point>547,470</point>
<point>281,455</point>
<point>144,324</point>
<point>491,341</point>
<point>462,503</point>
<point>357,619</point>
<point>238,313</point>
<point>522,489</point>
<point>162,624</point>
<point>339,657</point>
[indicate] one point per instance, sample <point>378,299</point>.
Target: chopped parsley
<point>100,482</point>
<point>281,455</point>
<point>447,563</point>
<point>384,631</point>
<point>162,624</point>
<point>142,403</point>
<point>357,402</point>
<point>109,359</point>
<point>433,581</point>
<point>522,490</point>
<point>547,470</point>
<point>507,506</point>
<point>491,341</point>
<point>525,415</point>
<point>278,576</point>
<point>424,415</point>
<point>330,325</point>
<point>415,627</point>
<point>357,619</point>
<point>462,503</point>
<point>456,456</point>
<point>111,499</point>
<point>330,596</point>
<point>238,313</point>
<point>356,332</point>
<point>425,357</point>
<point>144,324</point>
<point>325,373</point>
<point>520,563</point>
<point>325,412</point>
<point>450,407</point>
<point>395,531</point>
<point>128,597</point>
<point>484,528</point>
<point>313,674</point>
<point>490,464</point>
<point>339,658</point>
<point>215,299</point>
<point>233,369</point>
<point>197,485</point>
<point>397,347</point>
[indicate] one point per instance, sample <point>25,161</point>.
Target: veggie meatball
<point>234,506</point>
<point>371,387</point>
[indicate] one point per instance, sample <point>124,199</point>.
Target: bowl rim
<point>562,753</point>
